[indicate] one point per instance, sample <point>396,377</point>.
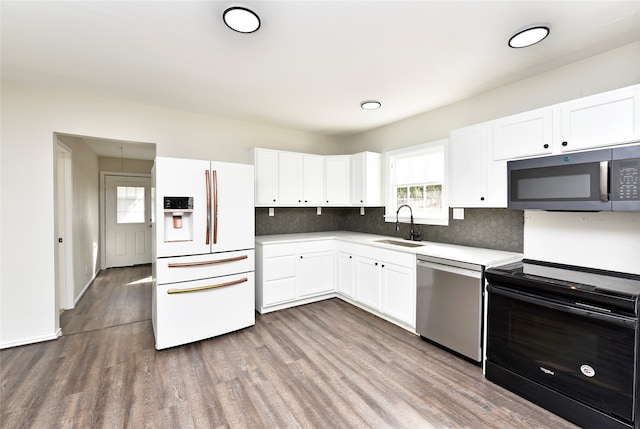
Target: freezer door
<point>232,206</point>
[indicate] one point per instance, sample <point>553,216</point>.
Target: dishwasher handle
<point>450,269</point>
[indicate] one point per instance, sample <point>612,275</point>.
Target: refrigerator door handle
<point>215,207</point>
<point>201,288</point>
<point>208,188</point>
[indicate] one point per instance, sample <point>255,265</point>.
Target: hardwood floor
<point>322,365</point>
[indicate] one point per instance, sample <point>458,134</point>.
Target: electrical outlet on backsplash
<point>499,229</point>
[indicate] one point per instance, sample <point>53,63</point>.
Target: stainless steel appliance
<point>599,180</point>
<point>566,338</point>
<point>449,304</point>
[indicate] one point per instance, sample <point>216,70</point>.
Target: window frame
<point>389,181</point>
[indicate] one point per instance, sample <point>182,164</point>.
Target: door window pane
<point>130,204</point>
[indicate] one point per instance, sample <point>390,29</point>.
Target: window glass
<point>130,204</point>
<point>416,176</point>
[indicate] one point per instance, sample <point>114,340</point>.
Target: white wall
<point>30,117</point>
<point>604,240</point>
<point>614,69</point>
<point>86,214</point>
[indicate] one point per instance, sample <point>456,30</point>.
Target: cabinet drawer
<point>270,250</point>
<point>192,311</point>
<point>279,267</point>
<point>185,268</point>
<point>390,256</point>
<point>277,291</point>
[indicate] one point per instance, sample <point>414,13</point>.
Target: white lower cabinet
<point>345,269</point>
<point>369,282</point>
<point>379,280</point>
<point>386,282</point>
<point>289,274</point>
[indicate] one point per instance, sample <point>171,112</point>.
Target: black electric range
<point>568,339</point>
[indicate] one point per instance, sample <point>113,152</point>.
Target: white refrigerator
<point>204,236</point>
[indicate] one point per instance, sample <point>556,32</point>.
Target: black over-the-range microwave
<point>598,180</point>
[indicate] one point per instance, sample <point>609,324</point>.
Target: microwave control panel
<point>625,178</point>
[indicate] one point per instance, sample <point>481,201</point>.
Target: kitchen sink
<point>400,243</point>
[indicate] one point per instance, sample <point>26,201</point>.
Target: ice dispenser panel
<point>178,219</point>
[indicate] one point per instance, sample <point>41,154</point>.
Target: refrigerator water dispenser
<point>178,222</point>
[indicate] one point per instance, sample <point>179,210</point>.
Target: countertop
<point>473,255</point>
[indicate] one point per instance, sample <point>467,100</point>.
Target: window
<point>130,204</point>
<point>416,176</point>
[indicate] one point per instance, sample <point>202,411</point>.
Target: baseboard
<point>32,340</point>
<point>86,287</point>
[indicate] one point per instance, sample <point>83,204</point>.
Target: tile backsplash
<point>499,229</point>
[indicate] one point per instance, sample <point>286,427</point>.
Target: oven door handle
<point>594,313</point>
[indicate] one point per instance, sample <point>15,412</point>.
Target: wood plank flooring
<point>322,365</point>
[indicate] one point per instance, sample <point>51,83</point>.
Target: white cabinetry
<point>366,179</point>
<point>290,274</point>
<point>600,120</point>
<point>315,268</point>
<point>345,269</point>
<point>266,173</point>
<point>476,180</point>
<point>522,135</point>
<point>336,179</point>
<point>385,282</point>
<point>290,184</point>
<point>312,179</point>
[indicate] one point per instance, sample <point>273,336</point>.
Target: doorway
<point>127,219</point>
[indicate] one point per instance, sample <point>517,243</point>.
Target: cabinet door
<point>525,134</point>
<point>366,179</point>
<point>337,180</point>
<point>399,293</point>
<point>266,180</point>
<point>346,275</point>
<point>315,273</point>
<point>368,282</point>
<point>601,120</point>
<point>290,178</point>
<point>313,179</point>
<point>469,166</point>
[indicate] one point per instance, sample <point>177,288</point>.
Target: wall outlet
<point>271,211</point>
<point>458,214</point>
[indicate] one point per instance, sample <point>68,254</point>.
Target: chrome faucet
<point>414,233</point>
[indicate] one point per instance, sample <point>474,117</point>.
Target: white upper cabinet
<point>336,177</point>
<point>475,179</point>
<point>522,135</point>
<point>366,179</point>
<point>600,120</point>
<point>290,178</point>
<point>266,176</point>
<point>312,179</point>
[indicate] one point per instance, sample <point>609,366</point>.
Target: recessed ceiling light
<point>241,19</point>
<point>528,37</point>
<point>370,105</point>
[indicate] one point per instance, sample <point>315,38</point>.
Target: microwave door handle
<point>604,181</point>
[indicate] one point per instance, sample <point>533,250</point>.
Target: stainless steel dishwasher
<point>449,304</point>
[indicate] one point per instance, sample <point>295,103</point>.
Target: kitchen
<point>31,113</point>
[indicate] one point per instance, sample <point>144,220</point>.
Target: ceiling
<point>311,63</point>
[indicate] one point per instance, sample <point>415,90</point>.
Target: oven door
<point>582,353</point>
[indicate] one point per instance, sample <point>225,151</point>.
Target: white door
<point>127,220</point>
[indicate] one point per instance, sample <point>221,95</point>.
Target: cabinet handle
<point>300,256</point>
<point>274,200</point>
<point>196,264</point>
<point>350,256</point>
<point>201,288</point>
<point>546,146</point>
<point>481,198</point>
<point>327,200</point>
<point>299,201</point>
<point>376,264</point>
<point>564,143</point>
<point>382,265</point>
